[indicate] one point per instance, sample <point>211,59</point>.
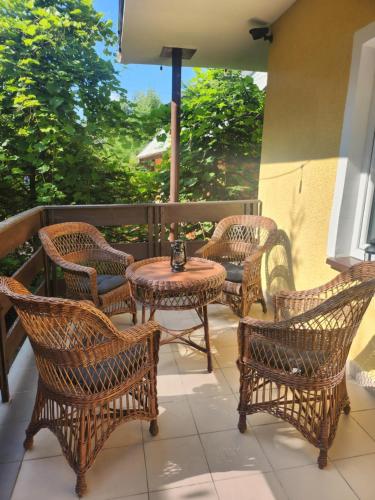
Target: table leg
<point>152,313</point>
<point>207,339</point>
<point>143,313</point>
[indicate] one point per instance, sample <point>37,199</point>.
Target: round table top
<point>157,273</point>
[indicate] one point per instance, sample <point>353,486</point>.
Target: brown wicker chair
<point>294,368</point>
<point>92,377</point>
<point>239,243</point>
<point>92,269</point>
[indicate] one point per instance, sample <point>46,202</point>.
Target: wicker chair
<point>294,368</point>
<point>239,243</point>
<point>92,377</point>
<point>92,269</point>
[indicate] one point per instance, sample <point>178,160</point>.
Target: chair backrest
<point>332,324</point>
<point>248,229</point>
<point>63,334</point>
<point>72,240</point>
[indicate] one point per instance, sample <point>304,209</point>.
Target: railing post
<point>46,262</point>
<point>5,395</point>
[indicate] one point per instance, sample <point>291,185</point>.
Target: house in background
<point>152,154</point>
<point>318,167</point>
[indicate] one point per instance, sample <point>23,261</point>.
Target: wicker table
<point>154,285</point>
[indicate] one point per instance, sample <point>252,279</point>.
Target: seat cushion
<point>111,372</point>
<point>306,363</point>
<point>234,272</point>
<point>107,282</point>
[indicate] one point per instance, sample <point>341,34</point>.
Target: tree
<point>222,119</point>
<point>55,102</point>
<point>153,114</point>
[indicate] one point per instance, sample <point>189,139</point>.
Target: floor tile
<point>106,479</point>
<point>284,446</point>
<point>142,496</point>
<point>205,384</point>
<point>126,434</point>
<point>45,445</point>
<point>359,473</point>
<point>215,413</point>
<point>167,364</point>
<point>311,483</point>
<point>232,376</point>
<point>360,398</point>
<point>8,477</point>
<point>205,491</point>
<point>175,462</point>
<point>257,486</point>
<point>350,440</point>
<point>169,387</point>
<point>12,436</point>
<point>366,420</point>
<point>226,357</point>
<point>19,408</point>
<point>190,360</point>
<point>175,420</point>
<point>23,380</point>
<point>262,419</point>
<point>231,454</point>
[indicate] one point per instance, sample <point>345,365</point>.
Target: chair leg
<point>154,428</point>
<point>322,459</point>
<point>81,485</point>
<point>34,425</point>
<point>242,424</point>
<point>324,431</point>
<point>242,406</point>
<point>347,408</point>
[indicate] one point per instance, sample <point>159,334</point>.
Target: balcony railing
<point>39,271</point>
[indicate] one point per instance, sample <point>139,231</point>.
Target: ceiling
<point>218,29</point>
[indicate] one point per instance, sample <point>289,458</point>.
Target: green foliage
<point>222,118</point>
<point>152,113</point>
<point>55,102</point>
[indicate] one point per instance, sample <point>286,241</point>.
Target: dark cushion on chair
<point>107,282</point>
<point>234,272</point>
<point>111,372</point>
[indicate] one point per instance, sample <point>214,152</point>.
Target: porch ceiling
<point>218,29</point>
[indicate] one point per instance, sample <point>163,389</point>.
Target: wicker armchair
<point>93,270</point>
<point>92,377</point>
<point>294,368</point>
<point>239,243</point>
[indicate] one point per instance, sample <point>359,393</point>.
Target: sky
<point>140,77</point>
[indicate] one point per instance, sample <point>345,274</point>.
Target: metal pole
<point>175,129</point>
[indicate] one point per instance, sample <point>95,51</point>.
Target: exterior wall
<point>309,65</point>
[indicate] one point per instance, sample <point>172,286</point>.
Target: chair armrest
<point>207,249</point>
<point>110,261</point>
<point>73,271</point>
<point>102,243</point>
<point>251,269</point>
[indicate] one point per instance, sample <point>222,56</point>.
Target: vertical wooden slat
<point>150,231</point>
<point>3,365</point>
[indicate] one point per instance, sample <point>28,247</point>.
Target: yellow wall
<point>309,65</point>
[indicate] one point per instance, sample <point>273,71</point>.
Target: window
<point>352,222</point>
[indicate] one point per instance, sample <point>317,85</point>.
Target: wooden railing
<point>157,218</point>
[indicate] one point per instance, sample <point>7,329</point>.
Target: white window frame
<point>366,191</point>
<point>354,185</point>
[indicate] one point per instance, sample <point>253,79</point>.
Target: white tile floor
<point>199,452</point>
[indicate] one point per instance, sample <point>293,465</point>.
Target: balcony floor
<point>199,452</point>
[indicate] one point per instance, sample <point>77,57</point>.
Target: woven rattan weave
<point>92,377</point>
<point>84,255</point>
<point>294,368</point>
<point>156,286</point>
<point>241,240</point>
